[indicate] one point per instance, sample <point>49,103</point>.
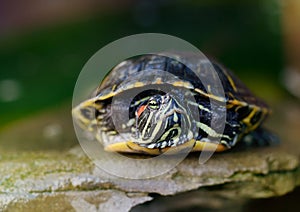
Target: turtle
<point>157,103</point>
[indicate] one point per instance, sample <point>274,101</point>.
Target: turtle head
<point>160,122</point>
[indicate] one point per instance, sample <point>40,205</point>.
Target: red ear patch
<point>141,109</point>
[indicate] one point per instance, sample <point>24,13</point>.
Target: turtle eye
<point>153,104</point>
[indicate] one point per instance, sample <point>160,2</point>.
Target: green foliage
<point>46,62</point>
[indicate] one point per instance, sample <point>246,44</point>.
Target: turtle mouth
<point>160,145</point>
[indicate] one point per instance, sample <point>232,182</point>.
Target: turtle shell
<point>138,79</point>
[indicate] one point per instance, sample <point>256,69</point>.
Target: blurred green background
<point>43,46</point>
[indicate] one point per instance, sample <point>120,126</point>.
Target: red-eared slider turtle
<point>153,103</point>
